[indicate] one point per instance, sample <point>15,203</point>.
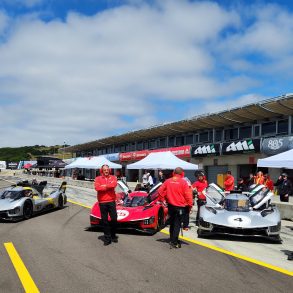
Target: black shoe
<point>115,239</point>
<point>175,246</point>
<point>106,243</point>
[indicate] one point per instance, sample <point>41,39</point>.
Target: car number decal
<point>239,221</point>
<point>122,214</point>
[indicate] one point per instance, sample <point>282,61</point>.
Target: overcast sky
<point>77,71</point>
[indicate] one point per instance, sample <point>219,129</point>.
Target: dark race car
<point>138,210</point>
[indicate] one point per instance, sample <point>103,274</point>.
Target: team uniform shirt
<point>200,186</point>
<point>176,192</point>
<point>269,184</point>
<point>229,183</point>
<point>105,186</point>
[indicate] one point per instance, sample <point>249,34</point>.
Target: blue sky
<point>77,71</point>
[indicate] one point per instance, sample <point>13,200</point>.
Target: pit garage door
<point>213,172</point>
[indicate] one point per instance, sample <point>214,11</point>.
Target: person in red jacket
<point>229,182</point>
<point>105,186</point>
<point>268,182</point>
<point>177,194</point>
<point>199,186</point>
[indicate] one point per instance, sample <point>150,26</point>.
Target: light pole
<point>63,151</point>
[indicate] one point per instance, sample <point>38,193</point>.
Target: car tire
<point>60,202</point>
<point>27,210</point>
<point>161,221</point>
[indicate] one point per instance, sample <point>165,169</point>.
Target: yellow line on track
<point>23,274</point>
<point>79,204</point>
<point>248,259</point>
<point>258,262</point>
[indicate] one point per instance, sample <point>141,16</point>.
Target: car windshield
<point>12,194</point>
<point>134,201</point>
<point>237,205</point>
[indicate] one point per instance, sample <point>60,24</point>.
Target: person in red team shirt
<point>199,186</point>
<point>178,195</point>
<point>105,186</point>
<point>268,182</point>
<point>229,182</point>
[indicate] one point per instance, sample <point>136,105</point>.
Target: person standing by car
<point>285,188</point>
<point>105,186</point>
<point>250,180</point>
<point>268,182</point>
<point>161,176</point>
<point>177,194</point>
<point>229,182</point>
<point>241,185</point>
<point>199,186</point>
<point>259,178</point>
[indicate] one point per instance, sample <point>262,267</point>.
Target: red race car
<point>138,210</point>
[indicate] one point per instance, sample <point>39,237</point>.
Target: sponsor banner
<point>11,165</point>
<point>112,157</point>
<point>276,145</point>
<point>241,147</point>
<point>181,152</point>
<point>2,165</point>
<point>204,150</point>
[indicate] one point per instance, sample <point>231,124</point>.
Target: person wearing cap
<point>105,186</point>
<point>241,185</point>
<point>284,186</point>
<point>177,194</point>
<point>229,182</point>
<point>199,186</point>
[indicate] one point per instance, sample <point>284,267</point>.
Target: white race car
<point>241,214</point>
<point>23,200</point>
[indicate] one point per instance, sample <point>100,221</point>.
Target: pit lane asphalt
<point>62,256</point>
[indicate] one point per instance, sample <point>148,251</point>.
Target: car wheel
<point>60,202</point>
<point>27,210</point>
<point>161,221</point>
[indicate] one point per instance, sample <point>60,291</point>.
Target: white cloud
<point>92,76</point>
<point>26,3</point>
<point>4,19</point>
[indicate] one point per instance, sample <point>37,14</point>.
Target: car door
<point>38,200</point>
<point>215,195</point>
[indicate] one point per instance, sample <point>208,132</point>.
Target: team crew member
<point>199,186</point>
<point>268,182</point>
<point>176,192</point>
<point>229,182</point>
<point>105,186</point>
<point>285,188</point>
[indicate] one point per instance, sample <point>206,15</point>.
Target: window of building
<point>282,126</point>
<point>268,128</point>
<point>245,132</point>
<point>256,130</point>
<point>139,146</point>
<point>204,136</point>
<point>123,148</point>
<point>162,142</point>
<point>189,139</point>
<point>218,134</point>
<point>171,142</point>
<point>231,133</point>
<point>196,138</point>
<point>153,144</point>
<point>145,145</point>
<point>179,140</point>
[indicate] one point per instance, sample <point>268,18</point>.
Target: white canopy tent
<point>162,160</point>
<point>282,160</point>
<point>92,163</point>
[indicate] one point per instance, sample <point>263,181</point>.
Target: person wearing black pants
<point>109,208</point>
<point>105,186</point>
<point>176,192</point>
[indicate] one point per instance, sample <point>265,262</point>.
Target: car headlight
<point>14,211</point>
<point>149,221</point>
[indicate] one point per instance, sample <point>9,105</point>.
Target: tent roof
<point>162,160</point>
<point>92,163</point>
<point>282,160</point>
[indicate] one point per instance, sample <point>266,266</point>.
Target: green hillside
<point>28,152</point>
